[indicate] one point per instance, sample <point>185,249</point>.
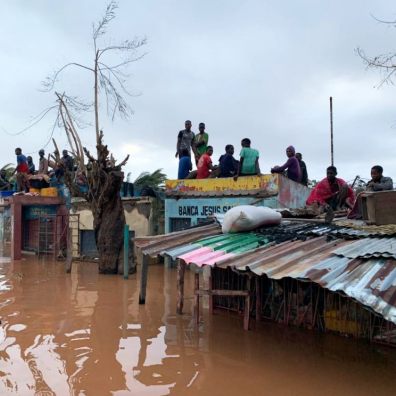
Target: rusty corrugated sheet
<point>369,248</point>
<point>335,264</point>
<point>358,228</point>
<point>372,282</point>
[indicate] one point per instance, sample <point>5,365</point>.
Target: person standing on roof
<point>291,166</point>
<point>200,142</point>
<point>185,140</point>
<point>31,166</point>
<point>249,160</point>
<point>67,161</point>
<point>43,163</point>
<point>21,171</point>
<point>303,167</point>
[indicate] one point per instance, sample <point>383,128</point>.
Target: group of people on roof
<point>27,176</point>
<point>248,164</point>
<point>333,193</point>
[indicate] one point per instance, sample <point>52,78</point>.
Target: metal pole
<point>126,251</point>
<point>331,131</point>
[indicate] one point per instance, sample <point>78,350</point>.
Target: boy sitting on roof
<point>379,182</point>
<point>228,164</point>
<point>204,166</point>
<point>332,192</point>
<point>249,160</point>
<point>185,164</point>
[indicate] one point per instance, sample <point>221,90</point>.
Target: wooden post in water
<point>69,249</point>
<point>126,251</point>
<point>331,132</point>
<point>181,268</point>
<point>143,279</point>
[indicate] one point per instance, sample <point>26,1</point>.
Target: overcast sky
<point>258,69</point>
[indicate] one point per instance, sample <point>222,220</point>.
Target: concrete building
<point>144,215</point>
<point>188,202</point>
<point>33,223</point>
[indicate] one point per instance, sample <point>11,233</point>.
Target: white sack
<point>247,218</point>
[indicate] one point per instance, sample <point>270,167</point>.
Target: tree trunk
<point>109,221</point>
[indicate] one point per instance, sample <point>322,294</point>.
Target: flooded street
<point>85,334</point>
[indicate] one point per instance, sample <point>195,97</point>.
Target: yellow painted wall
<point>267,183</point>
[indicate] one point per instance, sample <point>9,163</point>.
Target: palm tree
<point>9,170</point>
<point>155,180</point>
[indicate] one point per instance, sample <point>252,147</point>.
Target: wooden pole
<point>181,268</point>
<point>143,280</point>
<point>196,290</point>
<point>126,251</point>
<point>331,132</point>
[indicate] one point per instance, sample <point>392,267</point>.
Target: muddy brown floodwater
<point>85,334</point>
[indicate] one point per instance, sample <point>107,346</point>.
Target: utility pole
<point>331,132</point>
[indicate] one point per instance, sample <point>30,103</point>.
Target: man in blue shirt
<point>21,170</point>
<point>185,164</point>
<point>228,164</point>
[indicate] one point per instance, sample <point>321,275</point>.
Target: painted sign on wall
<point>263,183</point>
<point>33,212</point>
<point>200,208</point>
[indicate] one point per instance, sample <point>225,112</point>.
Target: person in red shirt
<point>204,166</point>
<point>332,192</point>
<point>21,171</point>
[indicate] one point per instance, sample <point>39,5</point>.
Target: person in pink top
<point>205,166</point>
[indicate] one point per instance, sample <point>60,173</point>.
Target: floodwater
<point>85,334</point>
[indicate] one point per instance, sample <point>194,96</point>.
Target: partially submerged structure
<point>143,215</point>
<point>339,278</point>
<point>189,202</point>
<point>40,224</point>
<point>34,223</point>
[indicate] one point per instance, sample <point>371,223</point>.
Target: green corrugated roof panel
<point>239,242</point>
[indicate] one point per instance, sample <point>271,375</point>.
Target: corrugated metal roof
<point>302,251</point>
<point>360,229</point>
<point>369,248</point>
<point>155,245</point>
<point>372,282</point>
<point>214,249</point>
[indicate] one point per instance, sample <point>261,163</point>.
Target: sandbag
<point>247,218</point>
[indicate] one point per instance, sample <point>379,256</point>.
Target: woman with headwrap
<point>292,166</point>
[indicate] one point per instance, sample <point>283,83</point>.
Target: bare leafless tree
<point>103,175</point>
<point>385,63</point>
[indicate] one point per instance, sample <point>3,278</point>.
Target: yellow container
<point>49,192</point>
<point>34,190</point>
<point>340,325</point>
